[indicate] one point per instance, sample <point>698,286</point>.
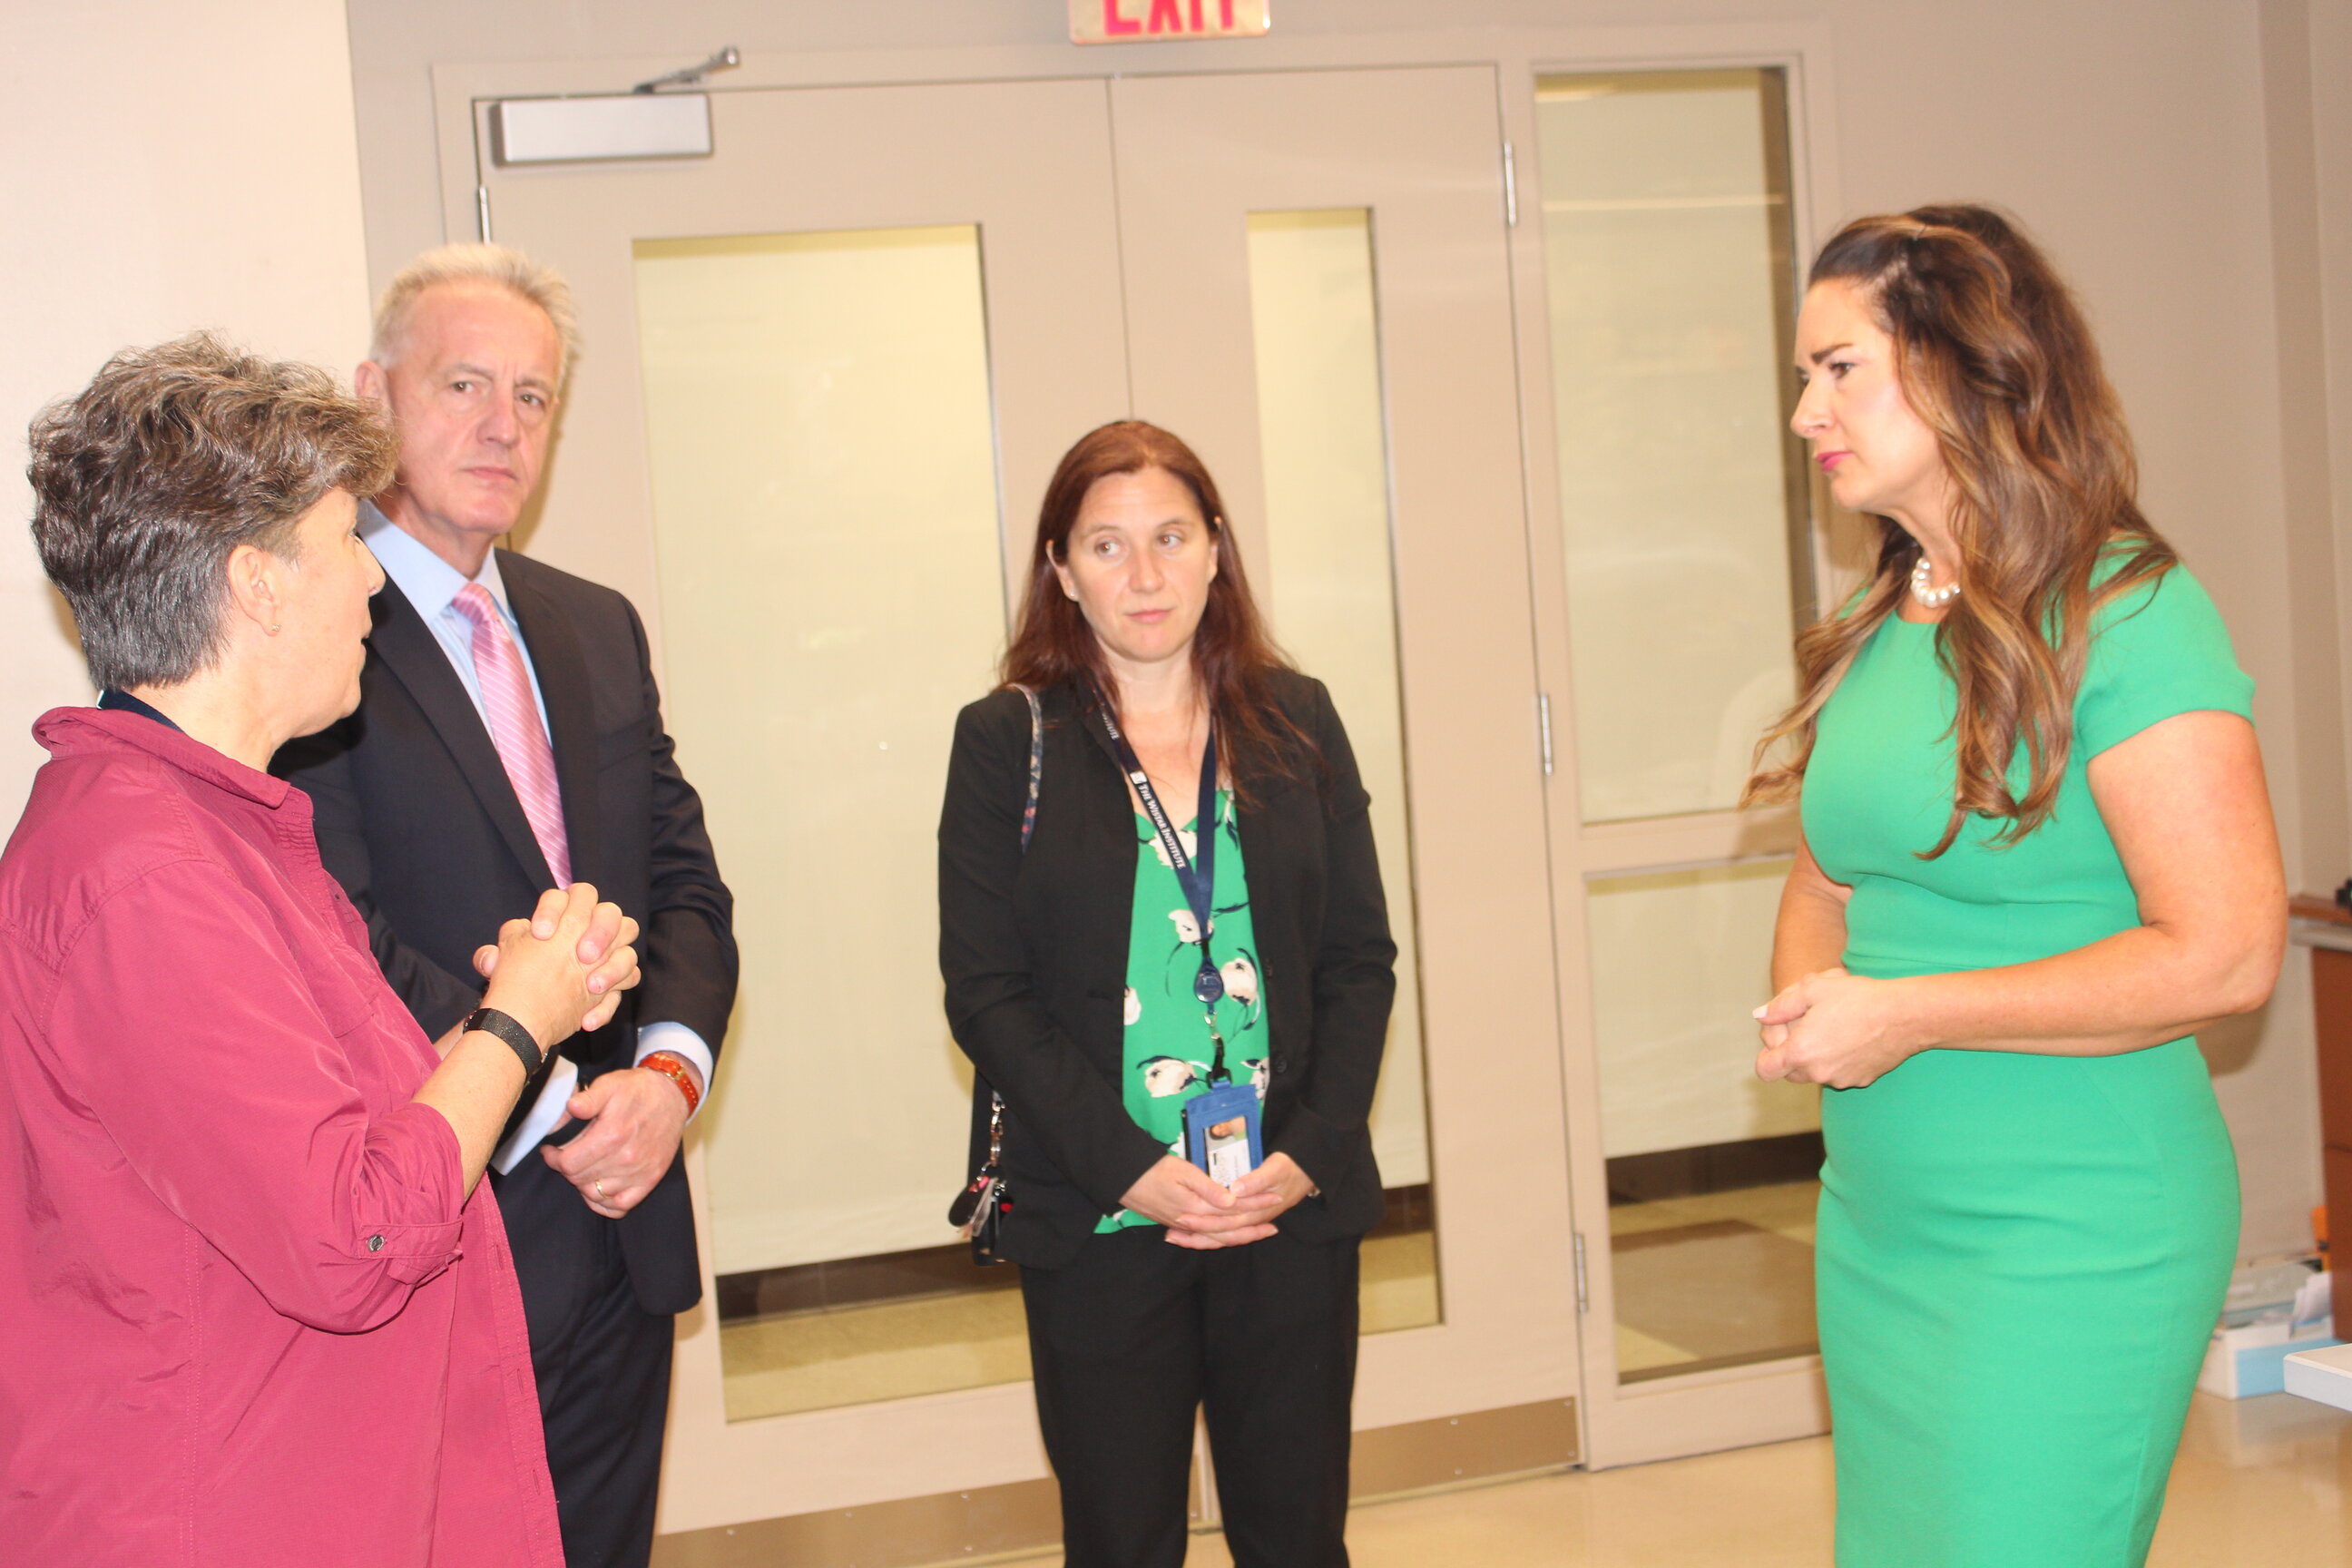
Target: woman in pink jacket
<point>256,1306</point>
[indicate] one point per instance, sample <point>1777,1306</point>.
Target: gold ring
<point>599,1186</point>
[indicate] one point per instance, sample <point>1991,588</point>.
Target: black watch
<point>491,1021</point>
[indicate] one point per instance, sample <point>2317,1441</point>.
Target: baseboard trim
<point>989,1523</point>
<point>1458,1450</point>
<point>977,1526</point>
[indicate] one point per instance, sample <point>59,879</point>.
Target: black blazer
<point>417,821</point>
<point>1034,951</point>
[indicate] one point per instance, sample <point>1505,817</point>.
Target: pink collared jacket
<point>248,1315</point>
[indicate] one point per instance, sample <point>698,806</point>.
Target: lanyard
<point>1196,874</point>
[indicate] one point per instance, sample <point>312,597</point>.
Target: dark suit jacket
<point>416,820</point>
<point>1034,951</point>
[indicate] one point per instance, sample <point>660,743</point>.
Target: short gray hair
<point>171,458</point>
<point>509,270</point>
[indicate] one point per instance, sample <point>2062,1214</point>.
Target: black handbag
<point>979,1210</point>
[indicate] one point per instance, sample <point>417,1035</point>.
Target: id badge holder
<point>1222,1132</point>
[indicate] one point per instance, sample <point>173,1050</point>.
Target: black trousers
<point>1135,1335</point>
<point>603,1364</point>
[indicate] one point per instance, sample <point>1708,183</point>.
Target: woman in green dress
<point>2038,855</point>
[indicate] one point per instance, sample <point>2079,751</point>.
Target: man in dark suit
<point>509,740</point>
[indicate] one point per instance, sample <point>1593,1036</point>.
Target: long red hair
<point>1232,654</point>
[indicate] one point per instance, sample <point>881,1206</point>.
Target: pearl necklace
<point>1931,598</point>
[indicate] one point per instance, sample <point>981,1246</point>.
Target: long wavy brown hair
<point>1993,354</point>
<point>1232,654</point>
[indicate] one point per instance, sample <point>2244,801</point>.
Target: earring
<point>274,630</point>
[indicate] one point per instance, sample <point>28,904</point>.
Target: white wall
<point>167,166</point>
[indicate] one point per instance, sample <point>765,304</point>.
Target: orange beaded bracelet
<point>674,1067</point>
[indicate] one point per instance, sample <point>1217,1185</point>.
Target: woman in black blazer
<point>1149,1287</point>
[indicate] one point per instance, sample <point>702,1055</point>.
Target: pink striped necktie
<point>515,727</point>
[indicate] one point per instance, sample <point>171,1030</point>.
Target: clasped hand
<point>565,968</point>
<point>1832,1028</point>
<point>1201,1214</point>
<point>637,1117</point>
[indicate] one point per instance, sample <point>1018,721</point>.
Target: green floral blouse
<point>1168,1051</point>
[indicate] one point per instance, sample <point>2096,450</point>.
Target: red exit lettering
<point>1164,19</point>
<point>1147,21</point>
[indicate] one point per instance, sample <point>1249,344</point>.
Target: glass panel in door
<point>1684,518</point>
<point>1712,1171</point>
<point>1666,264</point>
<point>830,600</point>
<point>1332,599</point>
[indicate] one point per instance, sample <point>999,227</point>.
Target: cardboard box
<point>2322,1376</point>
<point>2243,1362</point>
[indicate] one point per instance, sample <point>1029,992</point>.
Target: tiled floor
<point>2261,1483</point>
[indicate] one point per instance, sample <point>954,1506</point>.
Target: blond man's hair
<point>494,264</point>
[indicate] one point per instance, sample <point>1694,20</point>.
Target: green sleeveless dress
<point>2020,1258</point>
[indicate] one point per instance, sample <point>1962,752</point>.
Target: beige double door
<point>828,371</point>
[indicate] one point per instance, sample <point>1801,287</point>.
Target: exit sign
<point>1165,21</point>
